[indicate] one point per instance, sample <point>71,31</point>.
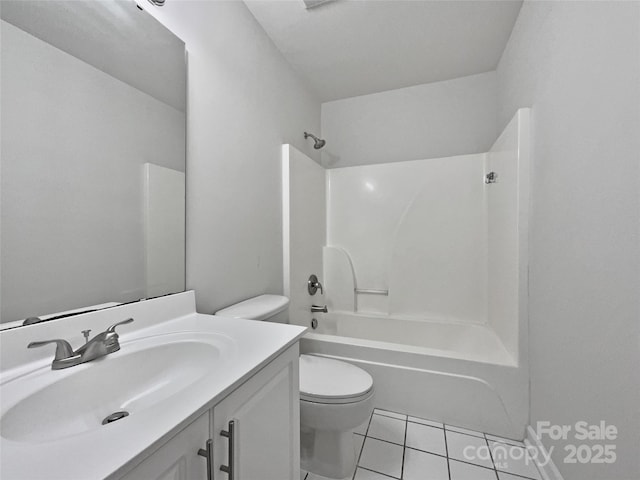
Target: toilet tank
<point>272,308</point>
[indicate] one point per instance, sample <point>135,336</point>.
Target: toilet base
<point>327,443</point>
<point>328,453</point>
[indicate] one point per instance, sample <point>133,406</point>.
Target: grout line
<point>448,426</point>
<point>379,473</point>
<point>362,447</point>
<point>506,441</point>
<point>485,468</point>
<point>381,439</point>
<point>404,445</point>
<point>491,456</point>
<point>368,425</point>
<point>441,427</point>
<point>380,411</point>
<point>381,414</point>
<point>446,450</point>
<point>389,416</point>
<point>426,451</point>
<point>507,444</point>
<point>475,465</point>
<point>516,475</point>
<point>480,434</point>
<point>444,432</point>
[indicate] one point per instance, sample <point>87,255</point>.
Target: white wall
<point>417,229</point>
<point>74,141</point>
<point>304,227</point>
<point>577,64</point>
<point>439,119</point>
<point>244,103</point>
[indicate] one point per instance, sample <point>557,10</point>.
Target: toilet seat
<point>329,381</point>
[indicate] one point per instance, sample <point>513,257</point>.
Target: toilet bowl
<point>335,397</point>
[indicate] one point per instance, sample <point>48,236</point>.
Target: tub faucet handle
<point>313,284</point>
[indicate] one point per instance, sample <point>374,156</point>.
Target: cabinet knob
<point>208,454</point>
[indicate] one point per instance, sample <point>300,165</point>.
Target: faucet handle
<point>63,349</point>
<point>112,328</point>
<point>313,285</point>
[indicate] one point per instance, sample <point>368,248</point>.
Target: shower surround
<point>424,265</point>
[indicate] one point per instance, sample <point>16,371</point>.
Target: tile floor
<point>396,446</point>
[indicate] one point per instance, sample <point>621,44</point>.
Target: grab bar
<point>371,291</point>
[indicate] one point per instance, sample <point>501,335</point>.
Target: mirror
<point>93,157</point>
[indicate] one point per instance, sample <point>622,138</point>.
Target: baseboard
<point>548,471</point>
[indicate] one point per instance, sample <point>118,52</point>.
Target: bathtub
<point>454,373</point>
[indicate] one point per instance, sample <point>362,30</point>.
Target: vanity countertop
<point>242,347</point>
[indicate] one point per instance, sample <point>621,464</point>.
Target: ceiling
<point>116,37</point>
<point>347,48</point>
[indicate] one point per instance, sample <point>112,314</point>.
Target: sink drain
<point>115,417</point>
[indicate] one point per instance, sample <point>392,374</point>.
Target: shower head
<point>318,143</point>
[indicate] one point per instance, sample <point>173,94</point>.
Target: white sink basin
<point>47,405</point>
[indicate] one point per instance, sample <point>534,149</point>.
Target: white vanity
<point>206,397</point>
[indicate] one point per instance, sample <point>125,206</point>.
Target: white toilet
<point>335,397</point>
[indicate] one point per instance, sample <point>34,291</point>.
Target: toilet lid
<point>325,380</point>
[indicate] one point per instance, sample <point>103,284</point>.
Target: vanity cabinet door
<point>177,459</point>
<point>265,412</point>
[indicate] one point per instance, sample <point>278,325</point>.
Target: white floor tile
<point>468,449</point>
<point>464,471</point>
<point>387,428</point>
<point>380,453</point>
<point>362,429</point>
<point>362,474</point>
<point>508,476</point>
<point>313,476</point>
<point>505,440</point>
<point>465,430</point>
<point>424,437</point>
<point>512,459</point>
<point>424,421</point>
<point>387,413</point>
<point>383,457</point>
<point>420,466</point>
<point>358,441</point>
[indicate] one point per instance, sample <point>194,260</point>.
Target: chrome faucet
<point>102,344</point>
<point>318,309</point>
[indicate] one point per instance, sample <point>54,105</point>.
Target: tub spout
<point>318,308</point>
